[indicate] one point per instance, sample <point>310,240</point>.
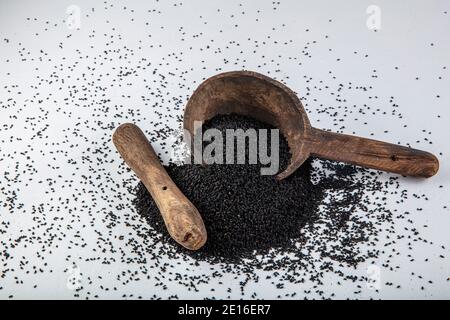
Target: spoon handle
<point>373,154</point>
<point>182,219</point>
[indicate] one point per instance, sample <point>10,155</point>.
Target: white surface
<point>194,40</point>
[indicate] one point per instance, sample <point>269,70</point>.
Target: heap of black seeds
<point>317,221</point>
<point>244,212</point>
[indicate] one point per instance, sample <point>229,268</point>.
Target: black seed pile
<point>255,222</point>
<point>244,212</point>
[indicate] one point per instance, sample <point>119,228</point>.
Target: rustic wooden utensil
<point>255,95</point>
<point>182,219</point>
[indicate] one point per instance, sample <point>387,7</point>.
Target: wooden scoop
<point>255,95</point>
<point>183,221</point>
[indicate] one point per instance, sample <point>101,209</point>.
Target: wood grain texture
<point>255,95</point>
<point>252,94</point>
<point>373,154</point>
<point>182,219</point>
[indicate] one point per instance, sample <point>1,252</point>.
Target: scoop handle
<point>373,154</point>
<point>183,221</point>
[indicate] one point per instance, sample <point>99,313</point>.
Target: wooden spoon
<point>258,96</point>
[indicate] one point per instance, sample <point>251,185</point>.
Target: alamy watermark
<point>73,20</point>
<point>373,277</point>
<point>74,278</point>
<point>373,21</point>
<point>234,146</point>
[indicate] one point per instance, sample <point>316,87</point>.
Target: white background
<point>188,41</point>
